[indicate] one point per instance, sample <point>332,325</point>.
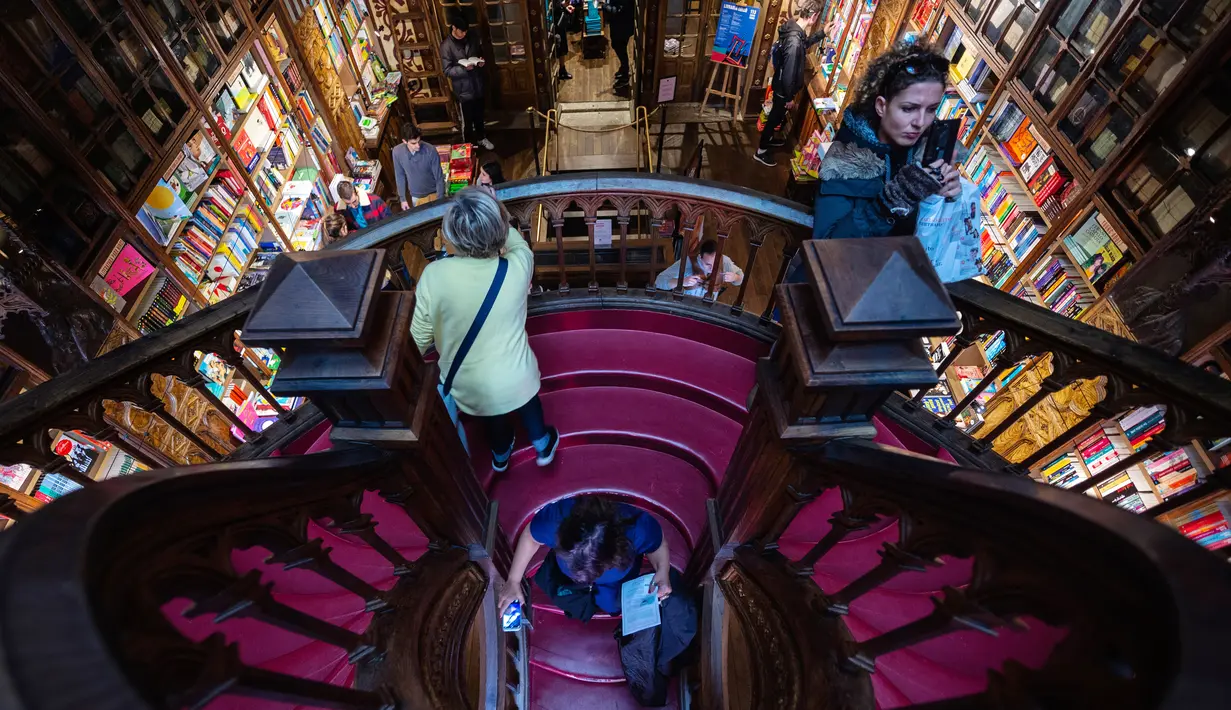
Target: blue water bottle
<point>511,618</point>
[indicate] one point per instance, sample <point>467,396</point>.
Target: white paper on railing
<point>602,233</point>
<point>639,606</point>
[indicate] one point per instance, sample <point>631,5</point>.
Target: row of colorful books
<point>198,240</point>
<point>1003,200</point>
<point>1208,524</point>
<point>1172,472</point>
<point>1123,492</point>
<point>1063,471</point>
<point>1060,286</point>
<point>997,264</point>
<point>1141,424</point>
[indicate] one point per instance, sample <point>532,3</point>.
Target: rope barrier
<point>609,129</point>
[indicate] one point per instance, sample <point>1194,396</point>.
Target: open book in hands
<point>470,62</point>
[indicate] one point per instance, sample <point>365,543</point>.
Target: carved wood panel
<point>320,69</point>
<point>1047,420</point>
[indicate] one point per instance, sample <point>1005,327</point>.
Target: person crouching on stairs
<point>596,545</point>
<point>473,308</point>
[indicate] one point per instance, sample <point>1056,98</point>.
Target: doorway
<point>592,58</point>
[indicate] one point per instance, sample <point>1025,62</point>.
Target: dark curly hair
<point>889,74</point>
<point>592,539</point>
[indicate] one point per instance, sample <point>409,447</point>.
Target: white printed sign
<point>602,233</point>
<point>666,89</point>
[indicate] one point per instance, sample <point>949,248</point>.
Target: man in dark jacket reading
<point>790,61</point>
<point>462,56</point>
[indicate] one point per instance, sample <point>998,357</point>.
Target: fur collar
<point>847,161</point>
<point>857,154</point>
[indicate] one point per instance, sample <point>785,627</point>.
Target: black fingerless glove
<point>907,189</point>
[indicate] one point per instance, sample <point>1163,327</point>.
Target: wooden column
<point>347,347</point>
<point>851,336</point>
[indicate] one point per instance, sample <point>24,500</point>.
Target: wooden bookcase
<point>1126,101</point>
<point>112,101</point>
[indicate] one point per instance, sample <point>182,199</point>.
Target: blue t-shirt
<point>644,532</point>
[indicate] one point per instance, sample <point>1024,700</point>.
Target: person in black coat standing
<point>621,18</point>
<point>561,17</point>
<point>790,61</point>
<point>459,53</point>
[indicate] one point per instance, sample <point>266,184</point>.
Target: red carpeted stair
<point>649,407</point>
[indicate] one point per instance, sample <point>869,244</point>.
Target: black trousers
<point>619,43</point>
<point>472,121</point>
<point>777,116</point>
<point>500,427</point>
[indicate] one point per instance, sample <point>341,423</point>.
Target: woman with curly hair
<point>597,545</point>
<point>871,182</point>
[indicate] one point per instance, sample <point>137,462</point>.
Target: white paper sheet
<point>639,606</point>
<point>602,233</point>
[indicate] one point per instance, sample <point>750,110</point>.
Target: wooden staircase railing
<point>86,581</point>
<point>850,340</point>
<point>773,639</point>
<point>1074,379</point>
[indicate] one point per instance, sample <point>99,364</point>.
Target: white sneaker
<point>487,145</point>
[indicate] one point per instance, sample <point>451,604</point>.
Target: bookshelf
<point>1046,99</point>
<point>833,65</point>
<point>347,30</point>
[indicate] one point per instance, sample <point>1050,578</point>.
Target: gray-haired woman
<point>498,375</point>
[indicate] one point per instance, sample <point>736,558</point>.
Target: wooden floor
<point>592,78</point>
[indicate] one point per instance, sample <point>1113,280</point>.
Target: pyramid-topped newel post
<point>851,336</point>
<point>347,347</point>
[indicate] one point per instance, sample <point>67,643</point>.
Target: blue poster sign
<point>737,28</point>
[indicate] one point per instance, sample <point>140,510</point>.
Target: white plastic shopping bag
<point>949,231</point>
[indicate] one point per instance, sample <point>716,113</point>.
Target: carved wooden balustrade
<point>88,581</point>
<point>851,339</point>
<point>1074,379</point>
<point>1056,574</point>
<point>1039,559</point>
<point>149,399</point>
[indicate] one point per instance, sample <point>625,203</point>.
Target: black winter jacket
<point>467,85</point>
<point>853,174</point>
<point>790,58</point>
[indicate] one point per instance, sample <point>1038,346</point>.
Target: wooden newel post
<point>851,336</point>
<point>347,346</point>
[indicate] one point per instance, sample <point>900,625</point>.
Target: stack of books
<point>1140,425</point>
<point>1101,450</point>
<point>1014,214</point>
<point>53,485</point>
<point>1172,472</point>
<point>1063,471</point>
<point>457,164</point>
<point>1209,524</point>
<point>1060,286</point>
<point>1122,492</point>
<point>197,242</point>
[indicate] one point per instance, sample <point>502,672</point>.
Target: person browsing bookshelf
<point>871,182</point>
<point>360,209</point>
<point>789,56</point>
<point>416,167</point>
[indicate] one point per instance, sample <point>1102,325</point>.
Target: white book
<point>639,606</point>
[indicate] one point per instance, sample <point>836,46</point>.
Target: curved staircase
<point>650,407</point>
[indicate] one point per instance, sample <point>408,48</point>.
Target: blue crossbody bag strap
<point>488,301</point>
